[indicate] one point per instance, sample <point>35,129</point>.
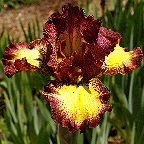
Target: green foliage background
<point>15,3</point>
<point>25,118</point>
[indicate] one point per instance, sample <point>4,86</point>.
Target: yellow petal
<point>72,106</point>
<point>31,55</point>
<point>121,61</point>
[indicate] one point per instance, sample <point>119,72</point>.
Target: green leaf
<point>94,133</point>
<point>95,9</point>
<point>4,128</point>
<point>36,124</point>
<point>87,7</point>
<point>34,31</point>
<point>80,138</point>
<point>24,32</point>
<point>130,100</point>
<point>46,114</point>
<point>30,33</point>
<point>13,128</point>
<point>117,92</point>
<point>133,134</point>
<point>38,27</point>
<point>10,108</point>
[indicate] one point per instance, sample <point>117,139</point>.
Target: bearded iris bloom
<point>76,50</point>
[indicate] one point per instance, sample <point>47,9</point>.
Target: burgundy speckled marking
<point>65,119</point>
<point>108,39</point>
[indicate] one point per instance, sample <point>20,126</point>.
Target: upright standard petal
<point>72,106</point>
<point>72,37</point>
<point>121,61</point>
<point>23,57</point>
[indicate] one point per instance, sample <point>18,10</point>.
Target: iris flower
<point>76,50</point>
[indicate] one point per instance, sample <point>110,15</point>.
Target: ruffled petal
<point>121,61</point>
<point>72,106</point>
<point>108,39</point>
<point>72,38</point>
<point>71,27</point>
<point>23,57</point>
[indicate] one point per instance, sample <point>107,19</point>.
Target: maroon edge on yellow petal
<point>65,118</point>
<point>20,57</point>
<point>9,67</point>
<point>104,97</point>
<point>130,61</point>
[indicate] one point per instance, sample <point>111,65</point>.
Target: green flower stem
<point>66,137</point>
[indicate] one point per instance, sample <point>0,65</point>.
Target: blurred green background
<point>25,118</point>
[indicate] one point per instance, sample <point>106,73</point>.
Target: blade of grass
<point>10,108</point>
<point>38,28</point>
<point>13,128</point>
<point>94,133</point>
<point>27,94</point>
<point>34,30</point>
<point>4,128</point>
<point>80,139</point>
<point>19,113</point>
<point>133,134</point>
<point>141,137</point>
<point>131,38</point>
<point>104,130</point>
<point>30,33</point>
<point>95,9</point>
<point>46,114</point>
<point>130,97</point>
<point>112,4</point>
<point>24,32</point>
<point>87,7</point>
<point>36,125</point>
<point>120,95</point>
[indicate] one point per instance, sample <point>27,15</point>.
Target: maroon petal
<point>71,29</point>
<point>70,36</point>
<point>108,39</point>
<point>91,31</point>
